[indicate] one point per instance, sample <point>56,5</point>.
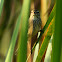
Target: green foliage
<point>57,42</point>
<point>24,15</point>
<point>23,22</point>
<point>44,45</point>
<point>22,54</point>
<point>13,41</point>
<point>45,27</point>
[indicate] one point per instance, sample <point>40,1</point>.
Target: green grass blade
<point>22,53</point>
<point>36,52</point>
<point>45,27</point>
<point>13,41</point>
<point>57,42</point>
<point>48,51</point>
<point>1,6</point>
<point>45,41</point>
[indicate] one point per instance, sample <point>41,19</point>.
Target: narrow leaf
<point>57,42</point>
<point>22,53</point>
<point>47,37</point>
<point>13,41</point>
<point>47,24</point>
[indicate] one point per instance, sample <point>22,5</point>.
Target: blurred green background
<point>13,22</point>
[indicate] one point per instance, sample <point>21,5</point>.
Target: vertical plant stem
<point>56,46</point>
<point>22,54</point>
